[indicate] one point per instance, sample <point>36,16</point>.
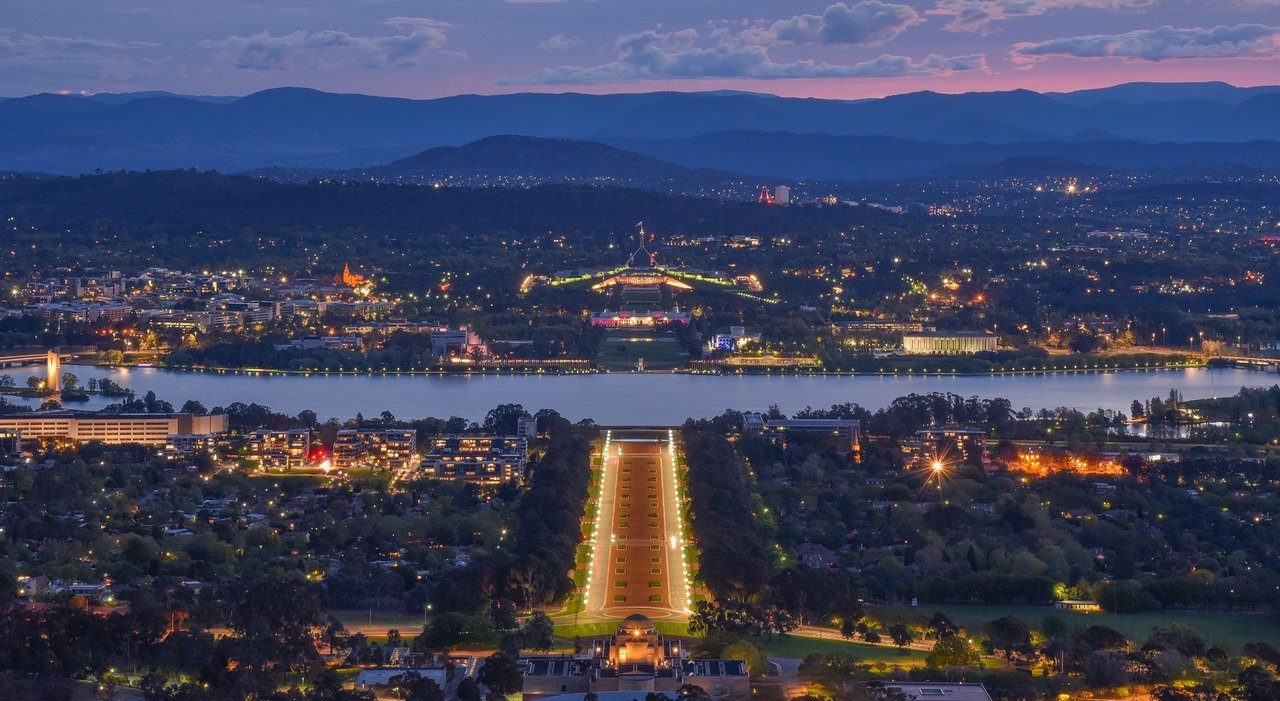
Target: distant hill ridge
<point>755,158</point>
<point>509,154</point>
<point>303,128</point>
<point>850,158</point>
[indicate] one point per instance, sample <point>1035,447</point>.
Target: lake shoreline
<point>629,398</point>
<point>727,371</point>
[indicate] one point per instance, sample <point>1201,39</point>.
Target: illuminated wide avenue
<point>636,558</point>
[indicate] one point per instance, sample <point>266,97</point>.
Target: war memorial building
<point>635,659</point>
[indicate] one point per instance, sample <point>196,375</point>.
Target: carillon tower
<point>53,371</point>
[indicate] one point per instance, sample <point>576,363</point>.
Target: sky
<point>435,48</point>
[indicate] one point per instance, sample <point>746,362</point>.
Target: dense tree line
<point>734,561</point>
<point>270,639</point>
<point>549,516</point>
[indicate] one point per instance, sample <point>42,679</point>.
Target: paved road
<point>637,564</point>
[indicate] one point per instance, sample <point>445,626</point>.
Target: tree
<point>1010,635</point>
<point>536,632</point>
<point>1202,692</point>
<point>743,649</point>
<point>1106,669</point>
<point>1256,683</point>
<point>333,632</point>
<point>1099,637</point>
<point>500,674</point>
<point>1053,627</point>
<point>451,629</point>
<point>468,690</point>
<point>272,621</point>
<point>1011,686</point>
<point>692,692</point>
<point>503,419</point>
<point>412,686</point>
<point>900,635</point>
<point>1180,637</point>
<point>194,407</point>
<point>941,624</point>
<point>153,686</point>
<point>526,575</point>
<point>109,684</point>
<point>70,381</point>
<point>737,617</point>
<point>953,651</point>
<point>503,614</point>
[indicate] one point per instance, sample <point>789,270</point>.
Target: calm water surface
<point>627,398</point>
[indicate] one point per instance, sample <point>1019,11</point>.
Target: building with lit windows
<point>948,342</point>
<point>479,459</point>
<point>10,442</point>
<point>183,446</point>
<point>390,449</point>
<point>613,320</point>
<point>144,429</point>
<point>737,337</point>
<point>461,342</point>
<point>847,431</point>
<point>951,445</point>
<point>280,450</point>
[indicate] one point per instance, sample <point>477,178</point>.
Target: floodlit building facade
<point>948,343</point>
<point>635,660</point>
<point>144,429</point>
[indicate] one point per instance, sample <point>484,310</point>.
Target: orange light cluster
<point>1043,465</point>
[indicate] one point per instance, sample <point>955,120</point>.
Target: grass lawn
<point>1230,628</point>
<point>603,629</point>
<point>406,623</point>
<point>797,647</point>
<point>622,354</point>
<point>791,646</point>
<point>317,480</point>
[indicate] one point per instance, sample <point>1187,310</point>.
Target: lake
<point>645,399</point>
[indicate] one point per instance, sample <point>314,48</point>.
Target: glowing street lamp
<point>937,469</point>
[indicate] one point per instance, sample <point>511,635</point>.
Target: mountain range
<point>1131,126</point>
